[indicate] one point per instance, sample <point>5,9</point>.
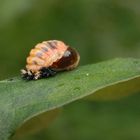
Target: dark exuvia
<point>43,73</point>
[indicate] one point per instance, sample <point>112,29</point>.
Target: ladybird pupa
<point>48,58</point>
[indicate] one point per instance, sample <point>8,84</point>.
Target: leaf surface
<point>21,100</point>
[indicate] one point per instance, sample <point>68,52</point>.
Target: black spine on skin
<point>44,73</point>
<point>47,72</point>
<point>26,76</point>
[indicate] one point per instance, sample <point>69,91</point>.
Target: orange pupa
<point>48,58</point>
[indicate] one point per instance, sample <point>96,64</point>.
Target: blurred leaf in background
<point>95,120</point>
<point>99,30</point>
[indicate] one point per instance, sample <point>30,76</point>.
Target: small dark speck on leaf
<point>60,85</point>
<point>136,62</point>
<point>11,79</point>
<point>77,88</point>
<point>77,77</point>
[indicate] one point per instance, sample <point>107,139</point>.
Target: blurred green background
<point>99,30</point>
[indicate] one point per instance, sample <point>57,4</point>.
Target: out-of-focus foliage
<point>95,120</point>
<point>98,29</point>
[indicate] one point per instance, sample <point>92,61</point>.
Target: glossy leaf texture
<point>21,100</point>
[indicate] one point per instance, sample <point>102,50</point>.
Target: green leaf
<point>117,91</point>
<point>21,100</point>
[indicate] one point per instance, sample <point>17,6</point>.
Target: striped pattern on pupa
<point>45,54</point>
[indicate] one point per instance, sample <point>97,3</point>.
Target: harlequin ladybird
<point>48,58</point>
